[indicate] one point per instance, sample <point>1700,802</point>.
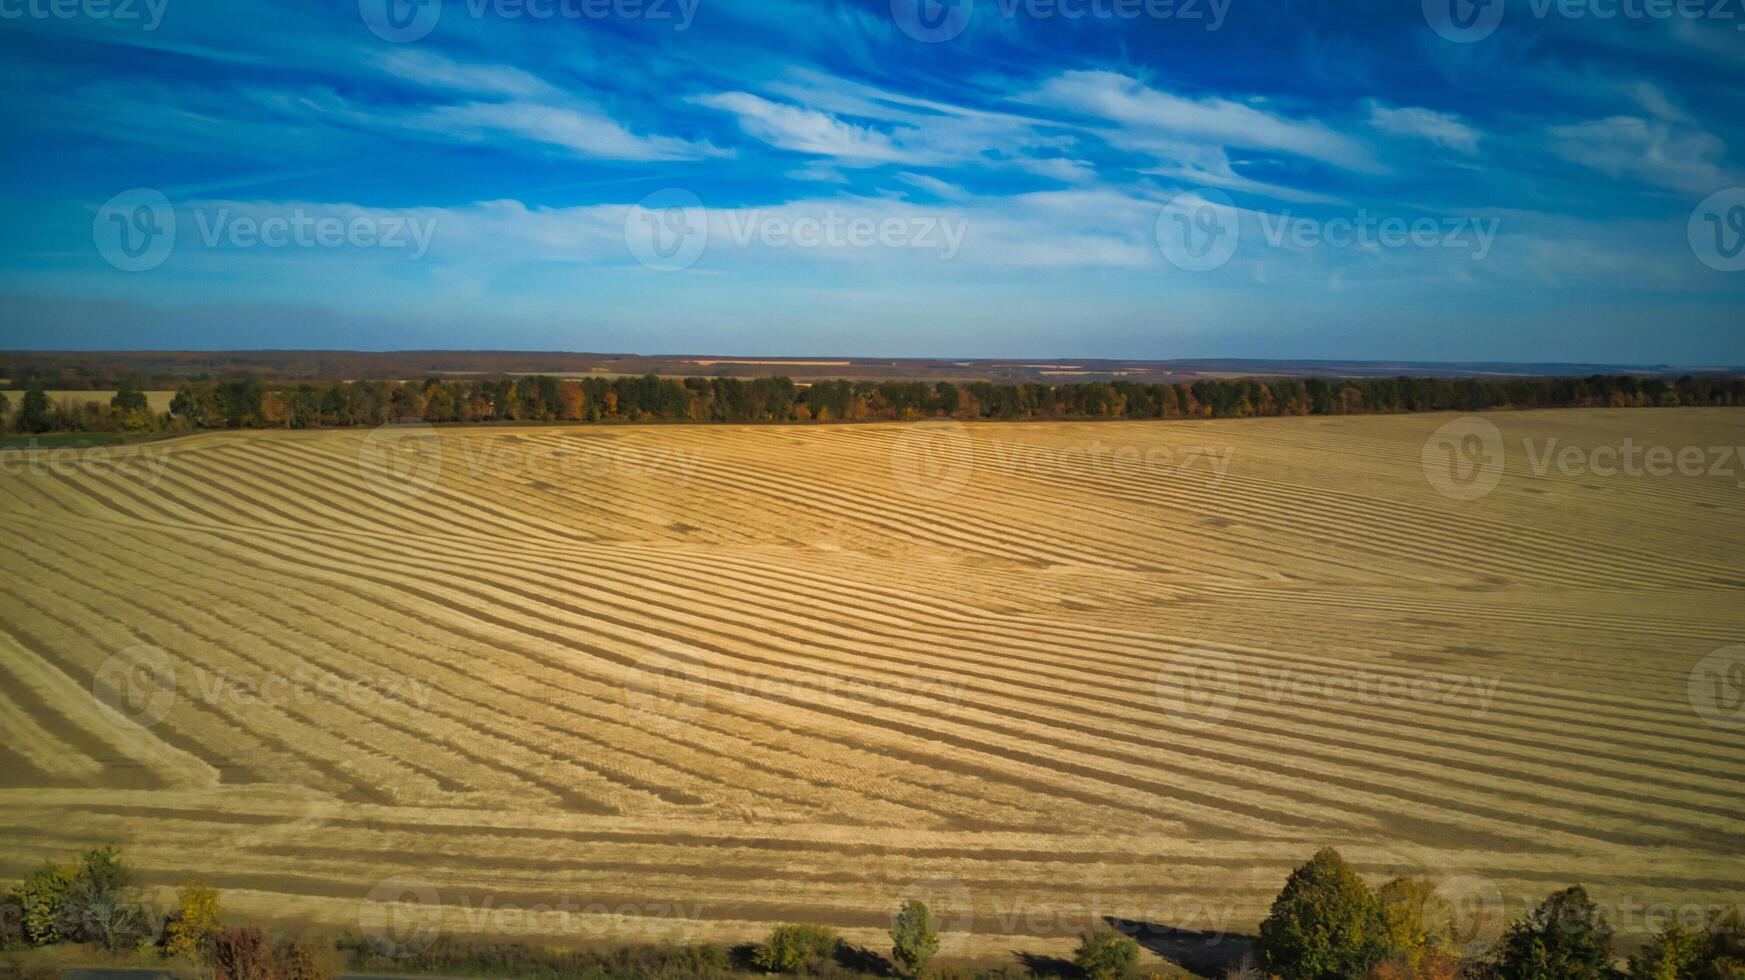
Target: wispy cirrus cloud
<point>1146,118</point>
<point>1445,129</point>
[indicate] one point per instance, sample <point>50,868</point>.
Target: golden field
<point>689,681</point>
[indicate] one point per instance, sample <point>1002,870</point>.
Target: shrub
<point>11,922</point>
<point>1716,952</point>
<point>1104,954</point>
<point>793,948</point>
<point>913,941</point>
<point>294,960</point>
<point>197,921</point>
<point>42,897</point>
<point>1676,953</point>
<point>1325,924</point>
<point>242,954</point>
<point>1417,924</point>
<point>1566,937</point>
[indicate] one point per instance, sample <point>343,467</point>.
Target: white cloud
<point>1152,120</point>
<point>581,130</point>
<point>1657,152</point>
<point>434,71</point>
<point>1441,128</point>
<point>810,131</point>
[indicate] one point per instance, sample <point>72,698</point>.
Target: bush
<point>913,941</point>
<point>11,923</point>
<point>293,960</point>
<point>1325,924</point>
<point>1104,954</point>
<point>1717,952</point>
<point>1675,954</point>
<point>1417,925</point>
<point>197,922</point>
<point>242,954</point>
<point>793,948</point>
<point>42,897</point>
<point>1566,938</point>
<point>448,956</point>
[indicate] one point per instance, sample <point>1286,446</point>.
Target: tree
<point>1325,924</point>
<point>129,399</point>
<point>197,922</point>
<point>1676,953</point>
<point>242,954</point>
<point>5,403</point>
<point>1417,924</point>
<point>81,902</point>
<point>1566,937</point>
<point>41,896</point>
<point>792,948</point>
<point>913,941</point>
<point>34,414</point>
<point>1716,952</point>
<point>1104,954</point>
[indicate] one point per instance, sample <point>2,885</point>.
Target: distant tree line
<point>249,403</point>
<point>1327,923</point>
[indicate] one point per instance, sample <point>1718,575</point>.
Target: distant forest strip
<point>247,403</point>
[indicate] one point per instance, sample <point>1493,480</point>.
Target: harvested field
<point>691,680</point>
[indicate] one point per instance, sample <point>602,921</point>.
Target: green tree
<point>129,399</point>
<point>792,948</point>
<point>1676,953</point>
<point>34,413</point>
<point>1324,925</point>
<point>41,897</point>
<point>913,941</point>
<point>1104,954</point>
<point>5,403</point>
<point>1565,938</point>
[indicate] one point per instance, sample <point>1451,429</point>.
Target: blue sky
<point>994,178</point>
